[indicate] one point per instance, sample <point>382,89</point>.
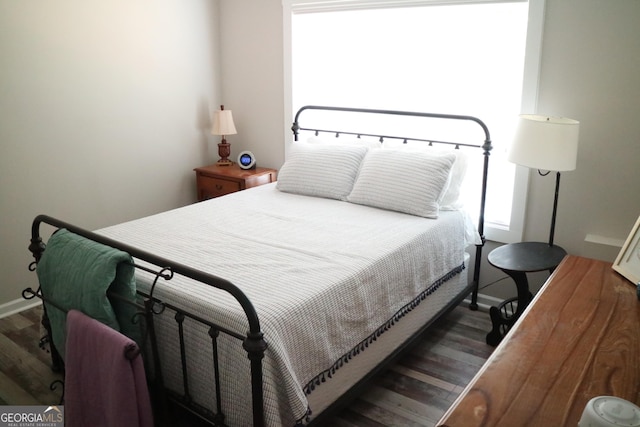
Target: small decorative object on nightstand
<point>223,125</point>
<point>217,180</point>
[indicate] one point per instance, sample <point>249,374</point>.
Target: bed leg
<point>158,393</point>
<point>476,278</point>
<point>36,248</point>
<point>57,364</point>
<point>255,346</point>
<point>473,305</point>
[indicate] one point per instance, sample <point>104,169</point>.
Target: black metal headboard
<point>484,145</point>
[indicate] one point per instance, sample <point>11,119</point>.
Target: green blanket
<point>75,273</point>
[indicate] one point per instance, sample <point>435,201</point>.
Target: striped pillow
<point>327,171</point>
<point>403,181</point>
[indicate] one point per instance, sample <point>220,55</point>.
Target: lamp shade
<point>545,143</point>
<point>223,123</point>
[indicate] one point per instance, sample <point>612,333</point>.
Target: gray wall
<point>104,113</point>
<point>591,72</point>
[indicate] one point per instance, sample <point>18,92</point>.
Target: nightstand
<point>516,260</point>
<point>215,180</point>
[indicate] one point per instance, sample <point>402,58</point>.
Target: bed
<point>274,305</point>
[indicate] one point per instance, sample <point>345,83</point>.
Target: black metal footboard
<point>253,342</point>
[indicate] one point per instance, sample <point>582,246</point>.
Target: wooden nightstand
<point>214,180</point>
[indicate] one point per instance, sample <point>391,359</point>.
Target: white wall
<point>104,113</point>
<point>252,77</point>
<point>589,72</point>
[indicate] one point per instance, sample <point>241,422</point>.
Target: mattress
<point>325,277</point>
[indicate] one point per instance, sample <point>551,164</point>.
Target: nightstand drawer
<point>214,187</point>
<point>257,180</point>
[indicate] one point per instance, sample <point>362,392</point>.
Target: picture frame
<point>627,262</point>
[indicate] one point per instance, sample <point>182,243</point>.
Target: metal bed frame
<point>486,147</point>
<point>253,342</point>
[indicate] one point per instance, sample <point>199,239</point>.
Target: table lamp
<point>546,144</point>
<point>223,125</point>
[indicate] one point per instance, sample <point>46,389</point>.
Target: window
<point>451,58</point>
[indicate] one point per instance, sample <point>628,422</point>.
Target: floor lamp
<point>546,144</point>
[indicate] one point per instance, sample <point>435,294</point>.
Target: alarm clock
<point>246,160</point>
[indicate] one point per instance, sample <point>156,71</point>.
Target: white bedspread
<point>322,274</point>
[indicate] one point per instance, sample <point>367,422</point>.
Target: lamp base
<point>224,151</point>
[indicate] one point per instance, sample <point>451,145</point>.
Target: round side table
<point>516,260</point>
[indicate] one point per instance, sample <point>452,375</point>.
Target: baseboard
<point>18,305</point>
<point>485,302</point>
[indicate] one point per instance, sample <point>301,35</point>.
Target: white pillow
<point>412,182</point>
<point>451,198</point>
<point>321,171</point>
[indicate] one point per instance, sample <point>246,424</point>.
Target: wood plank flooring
<point>25,373</point>
<point>420,387</point>
<point>416,391</point>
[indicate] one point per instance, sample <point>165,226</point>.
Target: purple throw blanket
<point>102,386</point>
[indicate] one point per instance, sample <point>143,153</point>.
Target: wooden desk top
<point>579,338</point>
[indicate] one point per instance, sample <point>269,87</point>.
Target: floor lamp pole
<point>555,209</point>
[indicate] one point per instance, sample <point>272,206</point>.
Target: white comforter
<point>322,274</point>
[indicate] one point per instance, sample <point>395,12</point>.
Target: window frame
<point>533,51</point>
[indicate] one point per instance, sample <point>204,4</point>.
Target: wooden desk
<point>579,338</point>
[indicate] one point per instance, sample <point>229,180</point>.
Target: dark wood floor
<point>420,387</point>
<point>416,391</point>
<point>25,374</point>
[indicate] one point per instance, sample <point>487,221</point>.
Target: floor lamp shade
<point>545,143</point>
